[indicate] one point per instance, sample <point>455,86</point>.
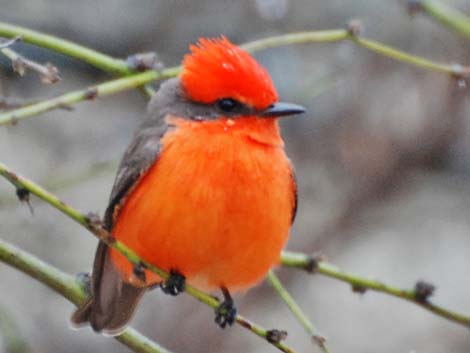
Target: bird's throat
<point>259,130</point>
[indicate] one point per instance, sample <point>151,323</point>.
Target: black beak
<point>282,109</point>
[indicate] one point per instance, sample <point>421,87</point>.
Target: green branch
<point>55,184</point>
<point>66,285</point>
<point>94,226</point>
<point>90,93</point>
<point>385,50</point>
<point>308,326</point>
<point>446,15</point>
<point>361,284</point>
<point>68,48</point>
<point>374,46</point>
<point>327,36</point>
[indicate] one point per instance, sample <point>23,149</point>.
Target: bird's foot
<point>175,284</point>
<point>226,312</point>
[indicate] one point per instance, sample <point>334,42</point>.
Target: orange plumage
<point>217,206</point>
<point>204,190</point>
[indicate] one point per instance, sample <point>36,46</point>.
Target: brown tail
<point>112,303</point>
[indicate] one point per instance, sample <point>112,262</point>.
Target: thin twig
<point>361,284</point>
<point>68,287</point>
<point>348,34</point>
<point>325,36</point>
<point>90,93</point>
<point>47,72</point>
<point>385,50</point>
<point>306,323</point>
<point>10,42</point>
<point>94,226</point>
<point>444,14</point>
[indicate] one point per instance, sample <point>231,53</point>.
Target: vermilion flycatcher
<point>205,189</point>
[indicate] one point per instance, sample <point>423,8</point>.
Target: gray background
<point>382,159</point>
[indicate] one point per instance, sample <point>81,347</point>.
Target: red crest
<point>217,69</point>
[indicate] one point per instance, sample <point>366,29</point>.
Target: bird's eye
<point>227,104</point>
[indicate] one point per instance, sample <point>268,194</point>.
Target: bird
<point>205,189</point>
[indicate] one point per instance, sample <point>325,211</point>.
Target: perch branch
<point>419,295</point>
<point>70,181</point>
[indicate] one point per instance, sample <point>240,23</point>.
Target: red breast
<point>217,206</point>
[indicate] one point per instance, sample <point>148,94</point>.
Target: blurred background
<point>382,160</point>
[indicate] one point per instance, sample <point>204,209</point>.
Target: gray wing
<point>113,301</point>
<point>141,154</point>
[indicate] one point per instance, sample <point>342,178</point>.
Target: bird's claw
<point>175,284</point>
<point>225,314</point>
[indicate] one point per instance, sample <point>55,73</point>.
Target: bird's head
<point>220,81</point>
<point>226,77</point>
